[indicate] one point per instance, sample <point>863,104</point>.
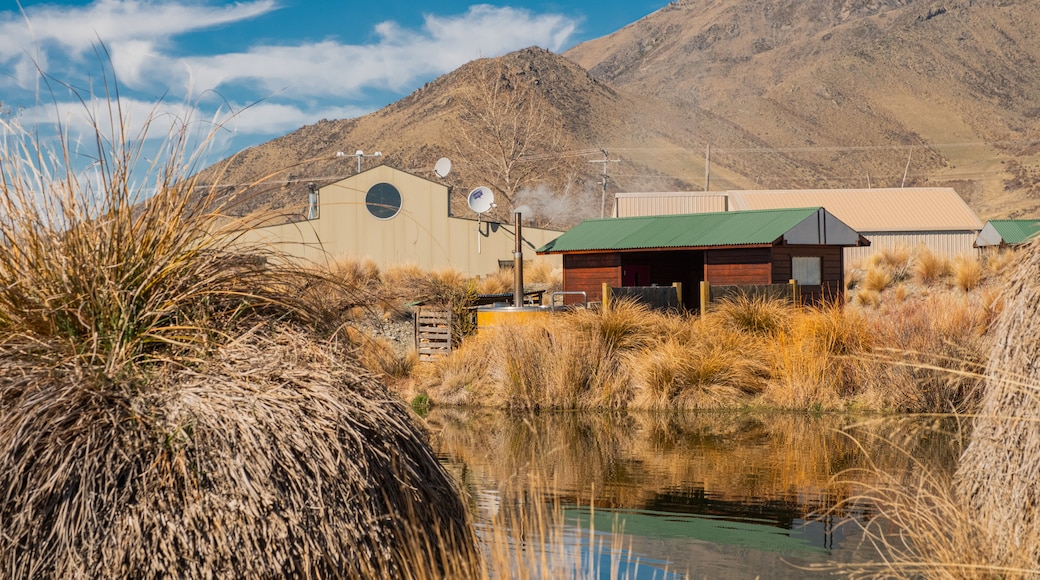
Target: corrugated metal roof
<point>680,231</point>
<point>1010,232</point>
<point>873,210</point>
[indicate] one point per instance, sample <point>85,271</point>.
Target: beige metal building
<point>644,204</point>
<point>395,218</point>
<point>935,217</point>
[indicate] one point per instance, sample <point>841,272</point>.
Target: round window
<point>383,201</point>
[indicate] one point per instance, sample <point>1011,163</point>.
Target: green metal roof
<point>1016,231</point>
<point>731,228</point>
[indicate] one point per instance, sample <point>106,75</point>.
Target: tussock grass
<point>895,260</point>
<point>708,366</point>
<point>169,405</point>
<point>867,297</point>
<point>876,279</point>
<point>967,273</point>
<point>930,267</point>
<point>919,355</point>
<point>755,314</point>
<point>500,282</point>
<point>818,362</point>
<point>933,353</point>
<point>999,470</point>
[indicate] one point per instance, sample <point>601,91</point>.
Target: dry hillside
<point>776,93</point>
<point>852,91</point>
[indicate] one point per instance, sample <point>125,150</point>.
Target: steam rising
<point>542,207</point>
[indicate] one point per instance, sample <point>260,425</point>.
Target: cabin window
<point>383,201</point>
<point>807,271</point>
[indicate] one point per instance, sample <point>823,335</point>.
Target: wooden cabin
<point>723,248</point>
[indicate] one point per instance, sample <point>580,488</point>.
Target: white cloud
<point>395,62</point>
<point>292,84</point>
<point>78,29</point>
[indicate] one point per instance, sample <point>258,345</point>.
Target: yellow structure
<point>395,218</point>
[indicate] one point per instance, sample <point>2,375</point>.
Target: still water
<point>697,495</point>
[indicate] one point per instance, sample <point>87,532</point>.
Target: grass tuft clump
<point>755,314</point>
<point>171,402</point>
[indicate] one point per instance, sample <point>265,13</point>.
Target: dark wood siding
<point>587,273</point>
<point>738,266</point>
<point>832,273</point>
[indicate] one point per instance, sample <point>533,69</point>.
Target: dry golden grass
<point>876,279</point>
<point>853,278</point>
<point>930,267</point>
<point>895,260</point>
<point>754,314</point>
<point>967,273</point>
<point>865,297</point>
<point>1000,467</point>
<point>500,282</point>
<point>171,404</point>
<point>818,360</point>
<point>999,261</point>
<point>900,293</point>
<point>542,272</point>
<point>933,351</point>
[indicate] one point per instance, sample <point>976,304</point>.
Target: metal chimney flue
<point>518,263</point>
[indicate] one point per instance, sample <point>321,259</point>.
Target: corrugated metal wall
<point>946,244</point>
<point>649,204</point>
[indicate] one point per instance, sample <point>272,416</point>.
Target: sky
<point>263,68</point>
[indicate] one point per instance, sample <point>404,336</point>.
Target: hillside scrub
<point>175,404</point>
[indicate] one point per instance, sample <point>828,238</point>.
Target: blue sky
<point>267,67</point>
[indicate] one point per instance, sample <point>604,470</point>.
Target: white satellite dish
<point>443,167</point>
<point>481,199</point>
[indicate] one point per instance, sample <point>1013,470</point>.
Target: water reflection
<point>714,495</point>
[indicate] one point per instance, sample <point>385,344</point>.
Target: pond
<point>693,495</point>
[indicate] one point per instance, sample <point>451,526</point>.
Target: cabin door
<point>635,276</point>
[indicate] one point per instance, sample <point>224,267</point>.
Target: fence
<point>712,294</point>
<point>656,297</point>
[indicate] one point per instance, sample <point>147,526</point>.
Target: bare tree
<point>510,135</point>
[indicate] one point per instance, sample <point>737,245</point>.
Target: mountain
<point>885,92</point>
<point>719,93</point>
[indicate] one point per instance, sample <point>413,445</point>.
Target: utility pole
<point>603,199</point>
<point>707,167</point>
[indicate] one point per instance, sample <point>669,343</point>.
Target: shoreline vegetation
<point>174,404</point>
<point>913,338</point>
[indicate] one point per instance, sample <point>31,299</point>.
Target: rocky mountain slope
<point>853,92</point>
<point>722,94</point>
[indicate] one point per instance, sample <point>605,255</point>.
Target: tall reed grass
<point>172,404</point>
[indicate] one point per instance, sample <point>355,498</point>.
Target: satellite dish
<point>443,167</point>
<point>481,199</point>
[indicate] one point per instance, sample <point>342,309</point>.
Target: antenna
<point>443,167</point>
<point>480,200</point>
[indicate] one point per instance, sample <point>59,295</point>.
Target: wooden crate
<point>432,332</point>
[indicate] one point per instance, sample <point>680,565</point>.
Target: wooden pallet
<point>432,332</point>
